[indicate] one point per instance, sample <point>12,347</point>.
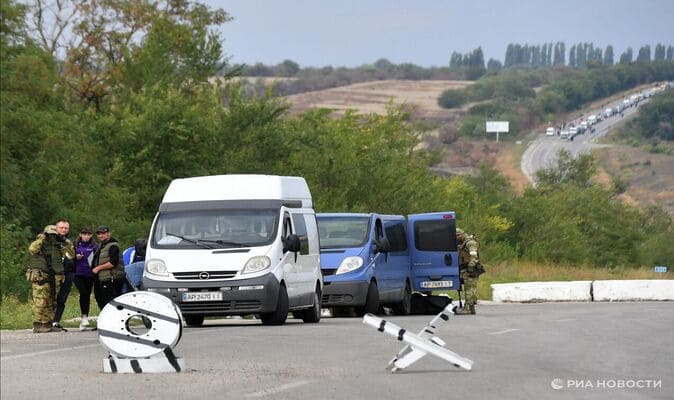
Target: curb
<point>606,290</point>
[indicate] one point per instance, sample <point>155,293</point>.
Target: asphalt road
<point>621,350</point>
<point>542,151</point>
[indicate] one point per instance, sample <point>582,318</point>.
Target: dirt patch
<point>374,97</point>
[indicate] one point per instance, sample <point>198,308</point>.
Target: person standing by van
<point>68,256</point>
<point>470,269</point>
<point>85,247</point>
<point>108,267</point>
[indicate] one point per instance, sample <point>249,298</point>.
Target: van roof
<point>238,187</point>
<point>386,217</point>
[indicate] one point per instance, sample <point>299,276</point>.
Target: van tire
<point>278,316</point>
<point>371,301</point>
<point>194,320</point>
<point>311,315</point>
<point>405,306</point>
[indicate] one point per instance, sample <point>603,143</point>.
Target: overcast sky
<point>425,32</point>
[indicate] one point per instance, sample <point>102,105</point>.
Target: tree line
<point>95,136</point>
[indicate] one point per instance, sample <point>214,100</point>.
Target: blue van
<point>367,261</point>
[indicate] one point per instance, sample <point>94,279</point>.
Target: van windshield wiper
<point>225,242</point>
<point>197,242</point>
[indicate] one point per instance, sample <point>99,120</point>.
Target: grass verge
<point>15,314</point>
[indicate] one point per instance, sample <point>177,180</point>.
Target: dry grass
<point>374,97</point>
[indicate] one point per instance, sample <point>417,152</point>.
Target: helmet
<point>459,232</point>
<point>50,230</point>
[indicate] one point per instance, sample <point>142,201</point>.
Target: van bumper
<point>234,301</point>
<point>344,294</point>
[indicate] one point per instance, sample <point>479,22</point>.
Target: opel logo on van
<point>204,275</point>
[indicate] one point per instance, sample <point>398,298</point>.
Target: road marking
<point>39,353</point>
<point>278,389</point>
<point>502,332</point>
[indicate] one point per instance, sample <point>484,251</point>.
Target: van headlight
<point>256,264</point>
<point>156,267</point>
<point>349,264</point>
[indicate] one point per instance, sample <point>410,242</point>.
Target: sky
<point>350,33</point>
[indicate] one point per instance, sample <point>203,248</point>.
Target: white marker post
<point>498,127</point>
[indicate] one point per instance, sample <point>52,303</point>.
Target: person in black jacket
<point>68,256</point>
<point>108,266</point>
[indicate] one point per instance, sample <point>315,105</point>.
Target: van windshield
<point>222,228</point>
<point>337,232</point>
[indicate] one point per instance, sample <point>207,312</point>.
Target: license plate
<point>436,284</point>
<point>201,296</point>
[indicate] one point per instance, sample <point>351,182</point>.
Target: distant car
<point>550,131</point>
<point>564,135</point>
<point>591,120</point>
<point>608,112</point>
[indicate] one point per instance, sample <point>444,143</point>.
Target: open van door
<point>433,252</point>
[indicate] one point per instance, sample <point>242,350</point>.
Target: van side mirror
<point>383,246</point>
<point>291,243</point>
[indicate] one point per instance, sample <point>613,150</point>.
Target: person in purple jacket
<point>85,246</point>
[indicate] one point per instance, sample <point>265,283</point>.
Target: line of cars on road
<point>569,131</point>
<point>252,244</point>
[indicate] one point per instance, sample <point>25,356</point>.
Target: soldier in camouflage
<point>45,273</point>
<point>469,268</point>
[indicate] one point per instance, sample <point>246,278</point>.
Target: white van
<point>550,131</point>
<point>237,245</point>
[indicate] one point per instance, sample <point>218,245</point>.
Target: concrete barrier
<point>542,291</point>
<point>654,289</point>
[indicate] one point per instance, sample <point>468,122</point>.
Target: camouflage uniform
<point>469,267</point>
<point>46,257</point>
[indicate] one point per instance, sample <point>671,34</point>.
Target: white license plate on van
<point>201,296</point>
<point>436,284</point>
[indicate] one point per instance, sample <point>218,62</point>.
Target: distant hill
<point>649,177</point>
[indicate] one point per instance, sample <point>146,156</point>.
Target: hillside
<point>372,97</point>
<point>649,177</point>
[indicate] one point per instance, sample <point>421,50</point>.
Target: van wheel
<point>194,320</point>
<point>371,302</point>
<point>277,317</point>
<point>405,306</point>
<point>313,314</point>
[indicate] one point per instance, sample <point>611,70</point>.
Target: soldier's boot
<point>39,327</point>
<point>461,310</point>
<point>471,309</point>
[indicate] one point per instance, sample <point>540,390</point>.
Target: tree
<point>644,54</point>
<point>494,65</point>
<point>287,68</point>
<point>576,171</point>
<point>105,42</point>
<point>572,57</point>
<point>608,55</point>
<point>659,52</point>
<point>626,56</point>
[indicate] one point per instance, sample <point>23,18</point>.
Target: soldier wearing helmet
<point>45,273</point>
<point>469,268</point>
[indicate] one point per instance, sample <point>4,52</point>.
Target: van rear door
<point>433,252</point>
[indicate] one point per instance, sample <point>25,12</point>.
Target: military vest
<point>104,256</point>
<point>464,252</point>
<point>48,254</point>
